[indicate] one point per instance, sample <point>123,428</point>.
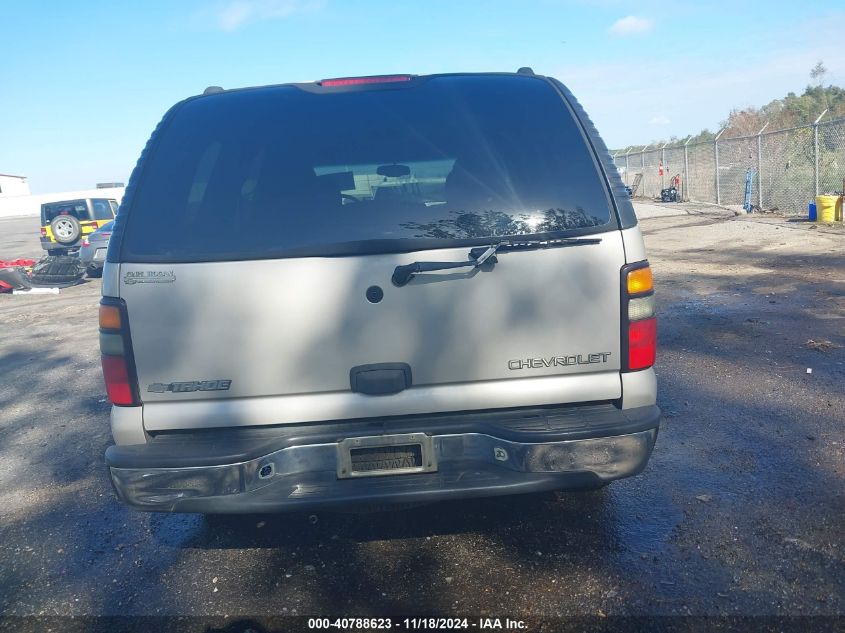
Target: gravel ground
<point>740,511</point>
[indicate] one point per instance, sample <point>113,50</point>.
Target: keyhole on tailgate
<point>374,294</point>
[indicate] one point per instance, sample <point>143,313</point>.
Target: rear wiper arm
<point>402,274</point>
<point>477,256</point>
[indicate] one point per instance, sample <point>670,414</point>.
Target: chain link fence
<point>789,167</point>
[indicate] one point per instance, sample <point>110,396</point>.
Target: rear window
<point>78,208</point>
<point>437,162</point>
<point>102,209</point>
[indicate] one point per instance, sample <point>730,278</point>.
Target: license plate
<point>385,455</point>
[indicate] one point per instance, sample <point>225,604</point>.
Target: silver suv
<point>380,290</point>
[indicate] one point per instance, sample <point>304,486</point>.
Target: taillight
<point>355,81</point>
<point>116,353</point>
<point>116,374</point>
<point>43,232</point>
<point>642,343</point>
<point>85,241</point>
<point>639,325</point>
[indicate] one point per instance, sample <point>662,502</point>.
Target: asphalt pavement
<point>20,238</point>
<point>741,510</point>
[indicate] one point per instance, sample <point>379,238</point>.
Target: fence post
<point>686,168</point>
<point>760,167</point>
<point>816,150</point>
<point>663,165</point>
<point>642,169</point>
<point>627,173</point>
<point>716,151</point>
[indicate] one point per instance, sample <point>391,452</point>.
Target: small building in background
<point>13,186</point>
<point>110,185</point>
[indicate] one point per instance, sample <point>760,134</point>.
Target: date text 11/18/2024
<point>414,624</point>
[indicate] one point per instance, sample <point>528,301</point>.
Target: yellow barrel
<point>828,208</point>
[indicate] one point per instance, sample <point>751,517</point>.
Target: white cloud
<point>237,13</point>
<point>631,25</point>
<point>659,120</point>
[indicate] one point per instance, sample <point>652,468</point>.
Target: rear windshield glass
<point>78,208</point>
<point>446,161</point>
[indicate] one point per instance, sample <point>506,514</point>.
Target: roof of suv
<point>364,82</point>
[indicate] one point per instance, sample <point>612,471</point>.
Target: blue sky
<point>82,84</point>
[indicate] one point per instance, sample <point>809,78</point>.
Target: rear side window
<point>77,208</point>
<point>442,161</point>
<point>102,209</point>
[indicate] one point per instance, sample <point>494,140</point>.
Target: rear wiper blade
<point>477,256</point>
<point>403,274</point>
<point>532,244</point>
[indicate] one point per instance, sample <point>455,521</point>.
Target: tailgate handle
<point>380,379</point>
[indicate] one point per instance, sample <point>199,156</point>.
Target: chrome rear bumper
<point>460,465</point>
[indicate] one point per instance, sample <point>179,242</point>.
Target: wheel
<point>66,229</point>
<point>94,272</point>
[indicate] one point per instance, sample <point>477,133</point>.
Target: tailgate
<point>292,329</point>
<point>257,250</point>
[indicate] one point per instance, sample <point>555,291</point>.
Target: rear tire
<point>94,272</point>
